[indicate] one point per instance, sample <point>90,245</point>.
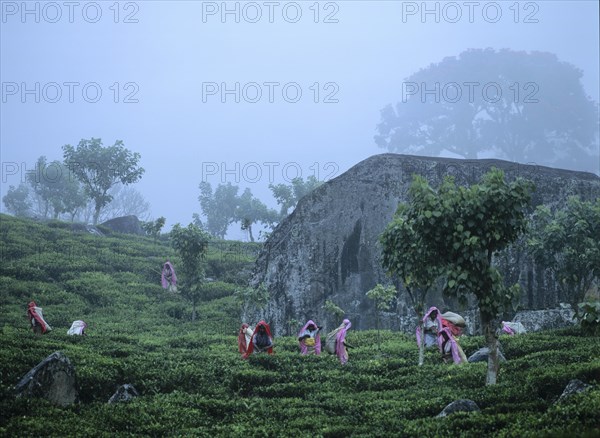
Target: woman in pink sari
<point>336,341</point>
<point>168,279</point>
<point>309,338</point>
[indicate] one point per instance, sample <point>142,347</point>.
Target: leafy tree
<point>383,296</point>
<point>152,228</point>
<point>334,310</point>
<point>567,241</point>
<point>527,107</point>
<point>99,168</point>
<point>17,200</point>
<point>191,243</point>
<point>288,195</point>
<point>467,226</point>
<point>55,190</point>
<point>218,207</point>
<point>250,210</point>
<point>406,255</point>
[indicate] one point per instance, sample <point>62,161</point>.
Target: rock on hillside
<point>328,247</point>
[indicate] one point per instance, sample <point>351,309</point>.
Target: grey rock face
<point>124,393</point>
<point>327,248</point>
<point>53,379</point>
<point>463,405</point>
<point>125,224</point>
<point>548,319</point>
<point>575,386</point>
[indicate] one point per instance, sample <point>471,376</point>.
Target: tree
<point>333,309</point>
<point>527,107</point>
<point>467,226</point>
<point>191,243</point>
<point>218,207</point>
<point>17,200</point>
<point>55,190</point>
<point>250,210</point>
<point>288,195</point>
<point>152,228</point>
<point>383,296</point>
<point>99,168</point>
<point>404,254</point>
<point>567,241</point>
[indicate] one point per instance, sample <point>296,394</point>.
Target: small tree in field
<point>414,262</point>
<point>567,241</point>
<point>466,226</point>
<point>191,243</point>
<point>383,296</point>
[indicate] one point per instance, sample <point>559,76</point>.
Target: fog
<point>250,93</point>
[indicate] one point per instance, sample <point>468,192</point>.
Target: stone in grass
<point>124,393</point>
<point>462,405</point>
<point>575,386</point>
<point>53,379</point>
<point>482,355</point>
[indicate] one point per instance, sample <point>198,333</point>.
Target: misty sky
<point>166,57</point>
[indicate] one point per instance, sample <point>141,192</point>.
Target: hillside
<point>193,383</point>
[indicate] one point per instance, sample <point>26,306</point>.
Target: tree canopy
<point>567,241</point>
<point>288,195</point>
<point>520,106</point>
<point>99,168</point>
<point>465,226</point>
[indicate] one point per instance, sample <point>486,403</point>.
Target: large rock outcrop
<point>53,379</point>
<point>125,225</point>
<point>327,248</point>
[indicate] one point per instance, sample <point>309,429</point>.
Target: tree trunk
<point>96,214</point>
<point>421,342</point>
<point>250,232</point>
<point>492,343</point>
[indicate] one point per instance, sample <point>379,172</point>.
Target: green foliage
<point>152,228</point>
<point>218,207</point>
<point>566,241</point>
<point>250,210</point>
<point>467,225</point>
<point>191,243</point>
<point>99,168</point>
<point>382,295</point>
<point>589,317</point>
<point>17,200</point>
<point>288,195</point>
<point>193,383</point>
<point>331,308</point>
<point>252,297</point>
<point>458,230</point>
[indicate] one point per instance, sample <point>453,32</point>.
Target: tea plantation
<point>191,378</point>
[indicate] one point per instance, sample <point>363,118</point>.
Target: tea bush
<point>193,382</point>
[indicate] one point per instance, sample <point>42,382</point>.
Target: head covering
<point>242,345</point>
<point>438,318</point>
<point>303,346</point>
<point>36,316</point>
<point>164,280</point>
<point>250,348</point>
<point>77,328</point>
